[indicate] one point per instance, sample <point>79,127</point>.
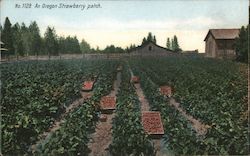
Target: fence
<point>88,56</point>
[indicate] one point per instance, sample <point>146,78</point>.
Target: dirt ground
<point>145,107</point>
<point>144,102</point>
<point>102,138</point>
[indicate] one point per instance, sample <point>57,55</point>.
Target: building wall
<point>211,47</point>
<point>220,48</point>
<point>226,49</point>
<point>151,49</point>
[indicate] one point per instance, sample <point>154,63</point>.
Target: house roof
<point>3,49</point>
<point>225,34</point>
<point>146,43</point>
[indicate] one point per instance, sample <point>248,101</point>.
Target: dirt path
<point>102,138</point>
<point>145,107</point>
<point>144,102</point>
<point>200,128</point>
<point>45,136</point>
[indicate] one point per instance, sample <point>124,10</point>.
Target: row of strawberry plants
<point>179,137</point>
<point>206,92</point>
<point>129,137</point>
<point>73,136</point>
<point>34,94</point>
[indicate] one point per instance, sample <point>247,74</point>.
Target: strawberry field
<point>35,94</point>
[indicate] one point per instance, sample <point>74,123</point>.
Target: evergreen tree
<point>51,41</point>
<point>61,44</point>
<point>85,47</point>
<point>76,45</point>
<point>150,37</point>
<point>17,40</point>
<point>175,45</point>
<point>26,39</point>
<point>144,40</point>
<point>34,38</point>
<point>6,35</point>
<point>242,45</point>
<point>168,43</point>
<point>154,39</point>
<point>172,44</point>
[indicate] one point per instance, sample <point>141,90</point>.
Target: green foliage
<point>68,45</point>
<point>168,43</point>
<point>6,35</point>
<point>17,40</point>
<point>175,45</point>
<point>50,40</point>
<point>26,39</point>
<point>113,49</point>
<point>144,40</point>
<point>72,137</point>
<point>129,137</point>
<point>242,44</point>
<point>34,94</point>
<point>85,47</point>
<point>150,38</point>
<point>35,39</point>
<point>216,96</point>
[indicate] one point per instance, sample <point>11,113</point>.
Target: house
<point>1,44</point>
<point>150,49</point>
<point>220,43</point>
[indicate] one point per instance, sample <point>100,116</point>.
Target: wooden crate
<point>108,103</point>
<point>166,90</point>
<point>135,79</point>
<point>87,85</point>
<point>152,124</point>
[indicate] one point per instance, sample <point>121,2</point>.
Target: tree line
<point>22,40</point>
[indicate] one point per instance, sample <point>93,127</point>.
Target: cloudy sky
<point>125,22</point>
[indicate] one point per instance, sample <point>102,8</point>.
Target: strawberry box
<point>152,124</point>
<point>135,79</point>
<point>108,103</point>
<point>166,90</point>
<point>87,85</point>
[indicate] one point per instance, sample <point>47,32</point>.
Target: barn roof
<point>146,43</point>
<point>225,34</point>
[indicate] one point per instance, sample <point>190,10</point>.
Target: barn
<point>150,48</point>
<point>220,43</point>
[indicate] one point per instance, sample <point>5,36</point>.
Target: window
<point>149,48</point>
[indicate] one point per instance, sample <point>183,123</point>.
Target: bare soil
<point>144,102</point>
<point>145,107</point>
<point>199,127</point>
<point>102,138</point>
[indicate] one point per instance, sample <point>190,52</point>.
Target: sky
<point>125,22</point>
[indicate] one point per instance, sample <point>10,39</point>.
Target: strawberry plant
<point>129,137</point>
<point>213,91</point>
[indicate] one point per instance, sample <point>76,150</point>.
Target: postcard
<point>118,78</point>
